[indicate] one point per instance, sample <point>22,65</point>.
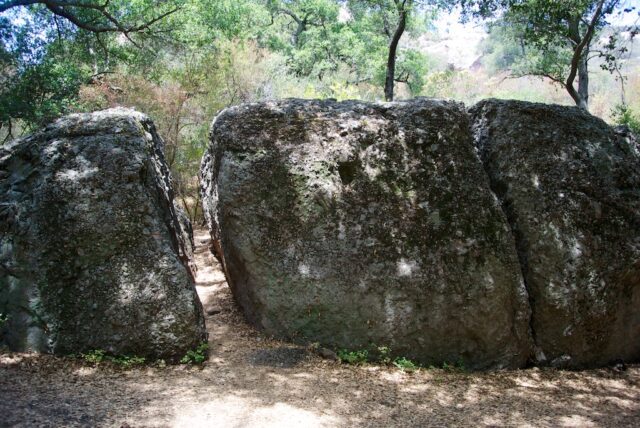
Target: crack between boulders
<point>518,241</point>
<point>523,264</point>
<point>171,219</point>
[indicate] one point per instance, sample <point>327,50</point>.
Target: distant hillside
<point>458,45</point>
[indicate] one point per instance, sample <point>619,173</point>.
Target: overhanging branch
<point>69,11</point>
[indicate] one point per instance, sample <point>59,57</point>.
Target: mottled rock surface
<point>92,251</point>
<point>352,224</point>
<point>570,186</point>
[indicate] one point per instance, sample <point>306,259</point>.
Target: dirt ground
<point>250,380</point>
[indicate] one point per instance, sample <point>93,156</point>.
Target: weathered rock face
<point>353,224</point>
<point>92,252</point>
<point>571,188</point>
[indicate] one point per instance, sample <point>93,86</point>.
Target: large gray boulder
<point>352,224</point>
<point>92,251</point>
<point>570,186</point>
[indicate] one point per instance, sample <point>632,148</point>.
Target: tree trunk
<point>580,57</point>
<point>583,83</point>
<point>393,48</point>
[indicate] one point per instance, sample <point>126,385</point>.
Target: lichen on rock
<point>92,250</point>
<point>570,186</point>
<point>352,224</point>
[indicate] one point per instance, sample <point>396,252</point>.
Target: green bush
<point>196,356</point>
<point>405,364</point>
<point>622,114</point>
<point>353,357</point>
<point>384,355</point>
<point>94,357</point>
<point>126,361</point>
<point>380,354</point>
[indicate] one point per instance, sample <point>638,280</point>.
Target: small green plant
<point>405,364</point>
<point>126,361</point>
<point>98,356</point>
<point>353,357</point>
<point>381,354</point>
<point>196,356</point>
<point>94,357</point>
<point>384,355</point>
<point>622,114</point>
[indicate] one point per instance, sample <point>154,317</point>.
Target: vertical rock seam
<point>570,186</point>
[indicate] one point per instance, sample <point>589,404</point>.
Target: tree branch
<point>290,13</point>
<point>65,9</point>
<point>552,78</point>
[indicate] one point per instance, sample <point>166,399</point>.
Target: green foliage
<point>307,32</point>
<point>353,357</point>
<point>372,26</point>
<point>94,357</point>
<point>439,83</point>
<point>411,69</point>
<point>556,38</point>
<point>622,114</point>
<point>380,354</point>
<point>509,48</point>
<point>196,356</point>
<point>37,83</point>
<point>44,62</point>
<point>317,41</point>
<point>98,356</point>
<point>127,361</point>
<point>405,364</point>
<point>200,24</point>
<point>384,355</point>
<point>42,92</point>
<point>502,48</point>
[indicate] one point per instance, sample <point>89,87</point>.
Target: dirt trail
<point>253,381</point>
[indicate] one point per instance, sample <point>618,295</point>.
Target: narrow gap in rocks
<point>232,340</point>
<point>211,284</point>
<point>227,331</point>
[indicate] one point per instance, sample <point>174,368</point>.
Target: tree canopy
<point>181,61</point>
<point>557,37</point>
